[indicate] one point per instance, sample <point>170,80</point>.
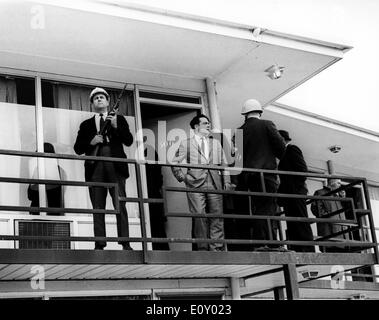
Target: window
<point>17,90</point>
<point>169,97</point>
<point>70,96</point>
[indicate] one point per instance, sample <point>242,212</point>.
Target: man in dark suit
<point>262,144</point>
<point>324,209</point>
<point>293,160</point>
<point>110,145</point>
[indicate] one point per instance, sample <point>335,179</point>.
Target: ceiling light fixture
<point>335,149</point>
<point>274,72</point>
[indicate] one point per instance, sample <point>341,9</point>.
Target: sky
<point>346,91</point>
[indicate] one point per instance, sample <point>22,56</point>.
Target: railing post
<point>290,278</point>
<point>270,229</point>
<point>261,174</point>
<point>165,206</point>
<point>278,293</point>
<point>142,210</point>
<point>371,220</point>
<point>40,144</point>
<point>235,288</point>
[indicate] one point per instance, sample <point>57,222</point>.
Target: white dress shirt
<point>97,120</point>
<point>198,139</point>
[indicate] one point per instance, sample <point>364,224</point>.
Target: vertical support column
<point>235,287</point>
<point>279,293</point>
<point>370,218</point>
<point>140,156</point>
<point>142,210</point>
<point>40,140</point>
<point>290,278</point>
<point>330,167</point>
<point>214,112</point>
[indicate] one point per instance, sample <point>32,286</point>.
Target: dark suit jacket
<point>262,144</point>
<point>320,208</point>
<point>117,137</point>
<point>292,160</point>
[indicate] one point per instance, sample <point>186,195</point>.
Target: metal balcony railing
<point>362,217</point>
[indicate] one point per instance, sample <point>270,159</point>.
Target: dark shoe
<point>272,249</point>
<point>263,249</point>
<point>281,249</point>
<point>127,247</point>
<point>97,247</point>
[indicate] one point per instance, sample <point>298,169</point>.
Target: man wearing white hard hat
<point>262,145</point>
<point>109,145</point>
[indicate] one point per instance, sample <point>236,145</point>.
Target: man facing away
<point>293,160</point>
<point>110,145</point>
<point>262,145</point>
<point>203,149</point>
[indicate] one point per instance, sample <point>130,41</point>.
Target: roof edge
<point>200,23</point>
<point>373,134</point>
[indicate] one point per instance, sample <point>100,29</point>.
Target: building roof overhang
<point>315,134</point>
<point>121,42</point>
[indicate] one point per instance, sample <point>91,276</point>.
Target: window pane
<point>18,132</point>
<point>17,90</point>
<point>76,97</point>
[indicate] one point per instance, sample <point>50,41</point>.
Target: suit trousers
<point>207,228</point>
<point>53,197</point>
<point>262,205</point>
<point>105,172</point>
<point>157,223</point>
<point>298,231</point>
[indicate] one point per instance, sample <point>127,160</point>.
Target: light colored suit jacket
<point>190,151</point>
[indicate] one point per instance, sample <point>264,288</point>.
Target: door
<point>170,118</point>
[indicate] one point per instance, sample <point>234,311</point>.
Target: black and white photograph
<point>179,156</point>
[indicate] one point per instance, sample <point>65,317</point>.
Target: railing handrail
<point>187,240</point>
<point>165,164</point>
<point>141,199</point>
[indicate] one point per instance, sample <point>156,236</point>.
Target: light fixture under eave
<point>274,72</point>
<point>335,149</point>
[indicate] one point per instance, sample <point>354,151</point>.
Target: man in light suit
<point>203,149</point>
<point>110,145</point>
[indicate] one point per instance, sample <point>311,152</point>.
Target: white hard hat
<point>251,105</point>
<point>96,91</point>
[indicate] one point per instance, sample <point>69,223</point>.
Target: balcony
<point>70,267</point>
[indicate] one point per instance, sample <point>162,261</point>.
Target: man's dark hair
<point>196,120</point>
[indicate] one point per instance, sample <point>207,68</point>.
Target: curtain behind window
<point>77,98</point>
<point>8,90</point>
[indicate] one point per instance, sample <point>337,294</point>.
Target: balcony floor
<point>261,271</point>
<point>16,264</point>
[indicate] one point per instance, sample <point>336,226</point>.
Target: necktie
<point>203,146</point>
<point>102,122</point>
